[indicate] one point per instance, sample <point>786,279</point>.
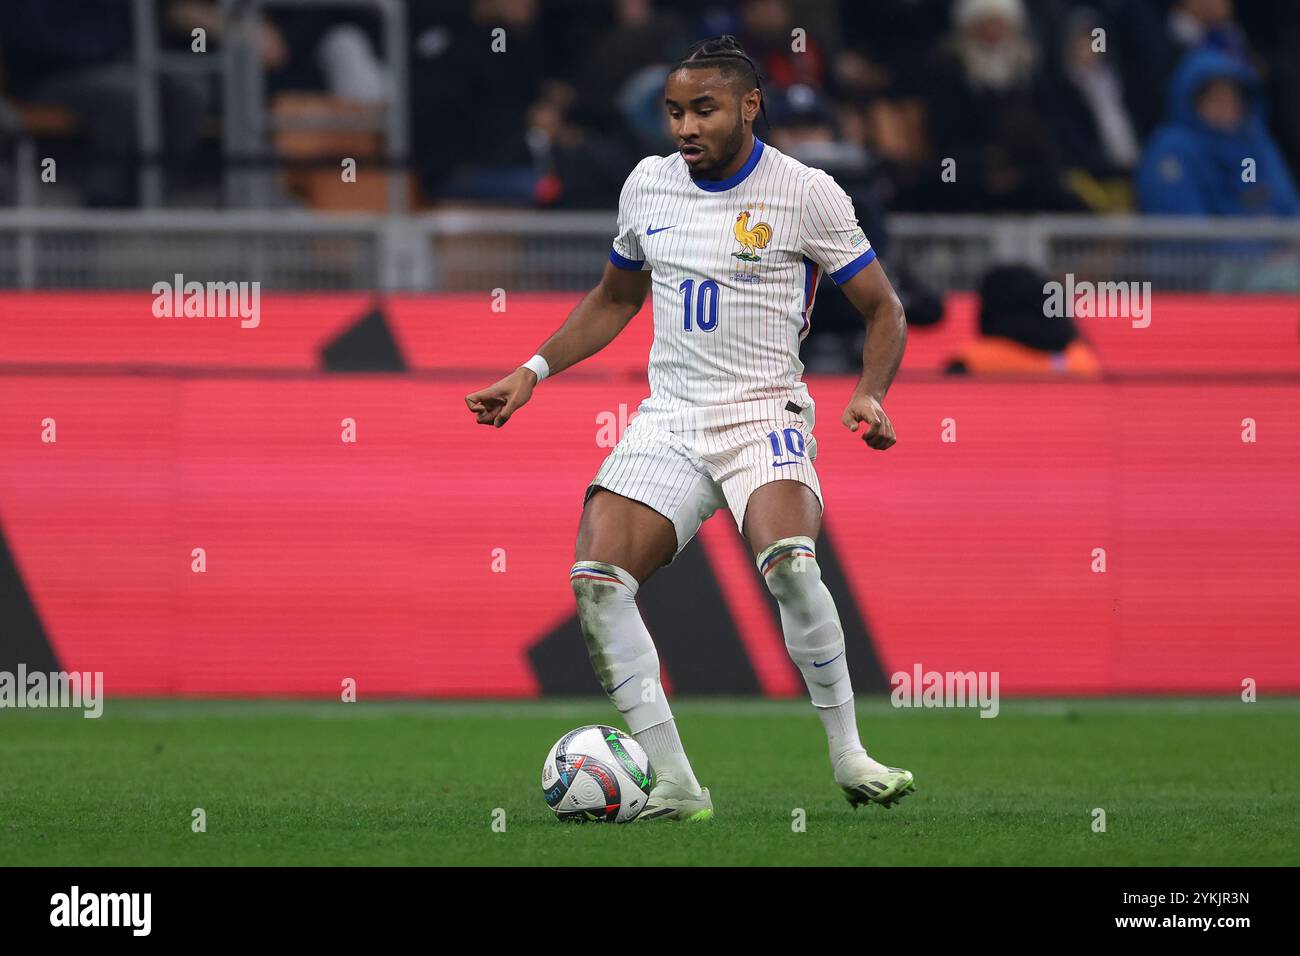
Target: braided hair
<point>725,53</point>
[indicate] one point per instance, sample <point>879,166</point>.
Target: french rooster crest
<point>751,239</point>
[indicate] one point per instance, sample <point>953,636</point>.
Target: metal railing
<point>79,249</point>
<point>1173,253</point>
<point>488,249</point>
<point>246,124</point>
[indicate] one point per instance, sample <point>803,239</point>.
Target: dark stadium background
<point>482,174</point>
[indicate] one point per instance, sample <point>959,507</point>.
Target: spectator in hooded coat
<point>1196,163</point>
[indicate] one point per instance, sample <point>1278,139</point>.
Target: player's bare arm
<point>595,322</point>
<point>872,294</point>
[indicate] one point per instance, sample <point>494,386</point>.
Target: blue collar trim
<point>740,175</point>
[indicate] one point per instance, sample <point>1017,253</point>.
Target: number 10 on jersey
<point>705,304</point>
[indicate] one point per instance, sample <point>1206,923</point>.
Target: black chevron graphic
<point>368,345</point>
<point>22,636</point>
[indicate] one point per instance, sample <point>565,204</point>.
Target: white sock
<point>841,729</point>
<point>815,640</point>
<point>842,735</point>
<point>809,621</point>
<point>627,664</point>
<point>664,748</point>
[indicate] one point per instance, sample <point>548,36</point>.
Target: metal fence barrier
<point>534,251</point>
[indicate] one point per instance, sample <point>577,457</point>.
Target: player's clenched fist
<point>880,430</point>
<point>495,404</point>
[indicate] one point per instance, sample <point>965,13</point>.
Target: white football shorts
<point>688,473</point>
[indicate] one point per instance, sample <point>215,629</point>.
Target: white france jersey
<point>735,265</point>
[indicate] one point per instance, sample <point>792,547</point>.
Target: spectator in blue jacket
<point>1196,163</point>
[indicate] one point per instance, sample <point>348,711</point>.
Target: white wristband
<point>539,366</point>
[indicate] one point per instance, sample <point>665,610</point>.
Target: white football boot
<point>863,781</point>
<point>669,800</point>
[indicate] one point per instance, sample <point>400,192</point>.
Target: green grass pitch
<point>1182,781</point>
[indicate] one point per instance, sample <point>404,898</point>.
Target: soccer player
<point>733,236</point>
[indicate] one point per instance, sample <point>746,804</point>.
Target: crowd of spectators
<point>1028,105</point>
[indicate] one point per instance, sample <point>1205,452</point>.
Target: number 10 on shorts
<point>793,446</point>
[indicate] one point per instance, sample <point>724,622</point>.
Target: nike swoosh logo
<point>620,685</point>
<point>831,661</point>
<point>778,464</point>
<point>649,231</point>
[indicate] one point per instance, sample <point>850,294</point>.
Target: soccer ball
<point>597,773</point>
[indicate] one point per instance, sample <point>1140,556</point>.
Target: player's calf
<point>621,650</point>
<point>815,640</point>
<point>627,664</point>
<point>809,620</point>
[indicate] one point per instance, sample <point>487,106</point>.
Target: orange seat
<point>323,187</point>
<point>1000,356</point>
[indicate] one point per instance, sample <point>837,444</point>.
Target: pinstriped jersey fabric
<point>686,475</point>
<point>734,267</point>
